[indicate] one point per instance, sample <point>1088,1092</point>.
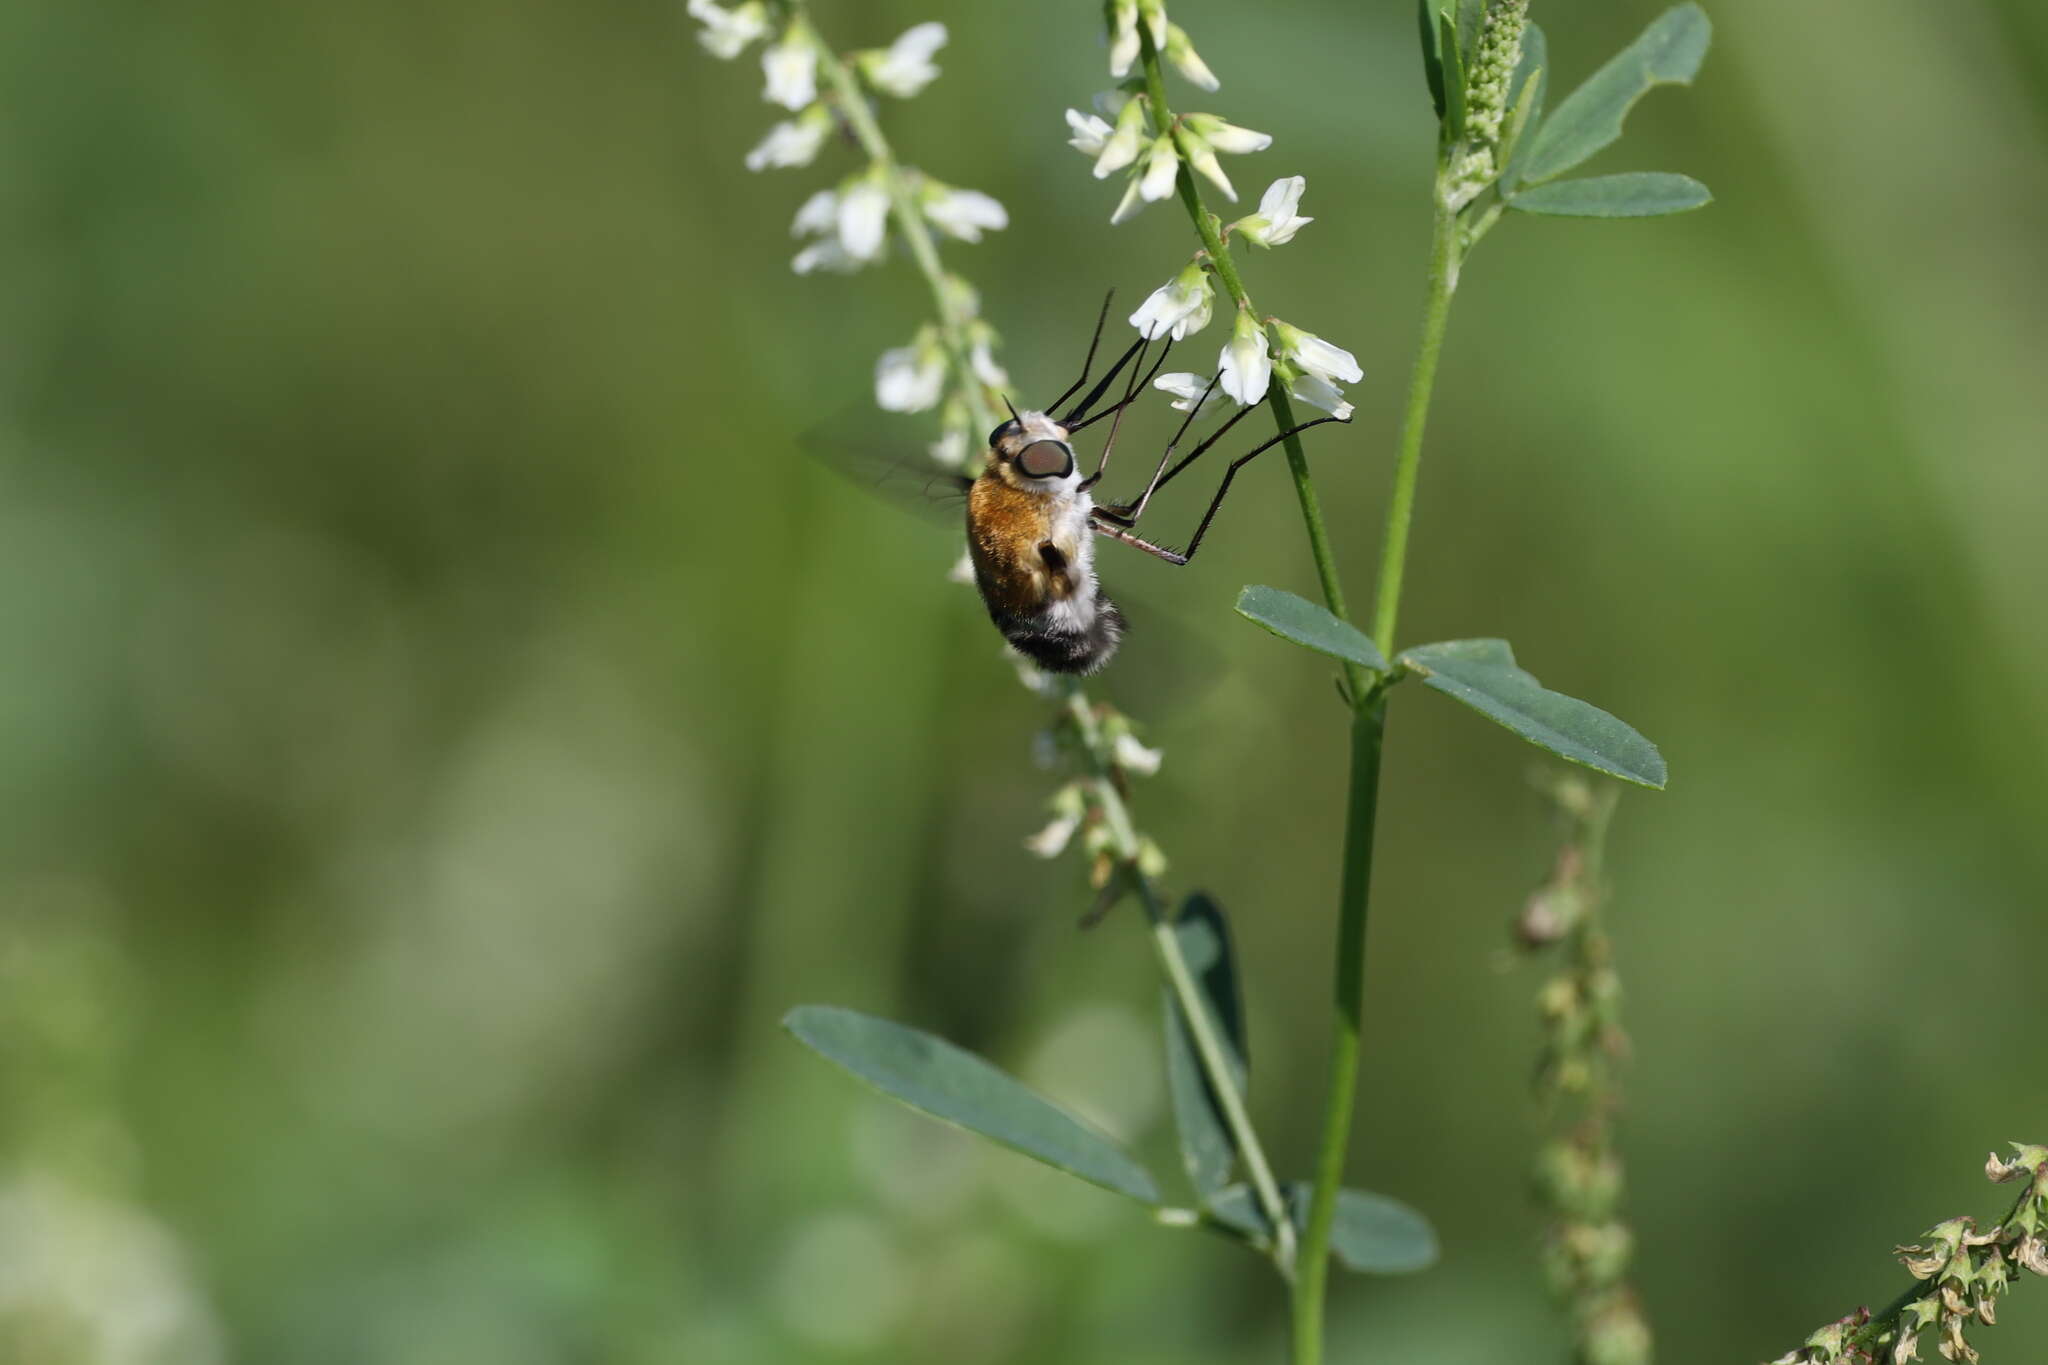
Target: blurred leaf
<point>1531,85</point>
<point>1305,623</point>
<point>1206,1144</point>
<point>1668,53</point>
<point>1235,1207</point>
<point>1372,1234</point>
<point>931,1075</point>
<point>1634,194</point>
<point>1483,675</point>
<point>1432,61</point>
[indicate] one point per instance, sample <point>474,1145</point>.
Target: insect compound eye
<point>1046,460</point>
<point>995,437</point>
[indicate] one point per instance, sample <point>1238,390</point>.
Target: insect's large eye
<point>1046,460</point>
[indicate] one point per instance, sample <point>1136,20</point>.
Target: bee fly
<point>1031,522</point>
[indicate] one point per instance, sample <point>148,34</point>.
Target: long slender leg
<point>1123,511</point>
<point>1089,363</point>
<point>1119,533</point>
<point>1128,512</point>
<point>1101,387</point>
<point>1130,396</point>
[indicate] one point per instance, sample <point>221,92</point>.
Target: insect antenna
<point>1088,363</point>
<point>1011,406</point>
<point>1131,395</point>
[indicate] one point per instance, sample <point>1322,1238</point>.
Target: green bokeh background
<point>444,721</point>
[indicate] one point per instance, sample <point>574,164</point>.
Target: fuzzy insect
<point>1031,521</point>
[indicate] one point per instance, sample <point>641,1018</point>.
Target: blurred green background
<point>445,722</point>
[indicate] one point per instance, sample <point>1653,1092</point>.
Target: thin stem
<point>1368,732</point>
<point>853,107</point>
<point>1209,229</point>
<point>1181,980</point>
<point>1443,282</point>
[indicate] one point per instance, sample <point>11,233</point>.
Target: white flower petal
<point>1123,43</point>
<point>824,254</point>
<point>1130,203</point>
<point>791,67</point>
<point>1246,367</point>
<point>793,142</point>
<point>820,213</point>
<point>1319,392</point>
<point>1203,158</point>
<point>727,32</point>
<point>1180,306</point>
<point>1228,137</point>
<point>1182,54</point>
<point>1191,389</point>
<point>863,218</point>
<point>985,367</point>
<point>1091,134</point>
<point>1162,163</point>
<point>1125,141</point>
<point>965,213</point>
<point>1135,757</point>
<point>1320,357</point>
<point>907,66</point>
<point>909,378</point>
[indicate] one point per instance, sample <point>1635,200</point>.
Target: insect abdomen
<point>1058,643</point>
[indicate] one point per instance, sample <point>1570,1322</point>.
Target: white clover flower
<point>1052,841</point>
<point>819,213</point>
<point>1135,757</point>
<point>1129,204</point>
<point>906,66</point>
<point>1319,392</point>
<point>1317,356</point>
<point>1246,367</point>
<point>1276,222</point>
<point>1202,157</point>
<point>1182,54</point>
<point>1180,306</point>
<point>1162,163</point>
<point>728,31</point>
<point>791,66</point>
<point>1226,137</point>
<point>910,378</point>
<point>1125,141</point>
<point>1152,13</point>
<point>824,254</point>
<point>983,361</point>
<point>961,213</point>
<point>793,142</point>
<point>1091,132</point>
<point>1190,390</point>
<point>1123,41</point>
<point>863,219</point>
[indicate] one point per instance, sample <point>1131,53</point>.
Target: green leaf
<point>1471,15</point>
<point>1454,76</point>
<point>1305,623</point>
<point>1206,1145</point>
<point>1234,1206</point>
<point>1432,61</point>
<point>1634,194</point>
<point>1482,674</point>
<point>1668,53</point>
<point>932,1076</point>
<point>1372,1234</point>
<point>1525,113</point>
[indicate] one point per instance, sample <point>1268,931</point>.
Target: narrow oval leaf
<point>1668,53</point>
<point>1471,15</point>
<point>1636,194</point>
<point>1372,1234</point>
<point>1483,675</point>
<point>1432,62</point>
<point>932,1076</point>
<point>1454,76</point>
<point>1235,1207</point>
<point>1305,623</point>
<point>1207,1147</point>
<point>1532,84</point>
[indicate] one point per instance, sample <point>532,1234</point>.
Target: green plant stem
<point>1209,229</point>
<point>1443,282</point>
<point>1180,979</point>
<point>852,104</point>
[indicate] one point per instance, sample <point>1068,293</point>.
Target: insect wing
<point>915,484</point>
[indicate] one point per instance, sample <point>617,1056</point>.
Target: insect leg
<point>1119,533</point>
<point>1130,512</point>
<point>1101,387</point>
<point>1130,396</point>
<point>1202,529</point>
<point>1089,363</point>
